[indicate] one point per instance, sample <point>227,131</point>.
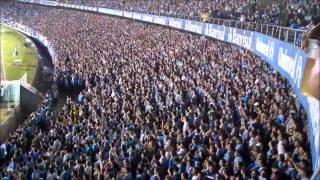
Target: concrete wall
<point>30,98</point>
<point>11,123</point>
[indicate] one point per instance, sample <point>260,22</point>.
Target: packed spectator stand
<point>154,103</point>
<point>297,14</point>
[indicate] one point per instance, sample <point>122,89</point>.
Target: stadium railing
<point>289,35</point>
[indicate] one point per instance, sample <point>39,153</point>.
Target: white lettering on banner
<point>265,49</point>
<point>127,14</point>
<point>196,28</point>
<point>160,20</point>
<point>214,32</point>
<point>175,23</point>
<point>147,18</point>
<point>136,16</point>
<point>241,40</point>
<point>293,66</point>
<point>314,113</point>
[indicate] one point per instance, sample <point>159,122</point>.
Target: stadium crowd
<point>299,13</point>
<point>155,103</point>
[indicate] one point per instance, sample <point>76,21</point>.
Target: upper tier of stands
<point>296,14</point>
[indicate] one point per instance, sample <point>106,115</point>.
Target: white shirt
<point>280,147</point>
<point>185,127</point>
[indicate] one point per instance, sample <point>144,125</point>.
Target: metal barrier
<point>289,35</point>
<point>286,34</point>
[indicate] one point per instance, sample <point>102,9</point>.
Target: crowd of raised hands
<point>154,103</point>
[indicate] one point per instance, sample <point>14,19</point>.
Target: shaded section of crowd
<point>155,103</point>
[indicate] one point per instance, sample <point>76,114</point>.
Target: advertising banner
<point>216,31</point>
<point>194,26</point>
<point>287,59</point>
<point>49,3</point>
<point>240,37</point>
<point>118,12</point>
<point>147,18</point>
<point>127,14</point>
<point>176,23</point>
<point>137,16</point>
<point>107,11</point>
<point>160,20</point>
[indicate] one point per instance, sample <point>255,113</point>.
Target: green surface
<point>3,115</point>
<point>9,40</point>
